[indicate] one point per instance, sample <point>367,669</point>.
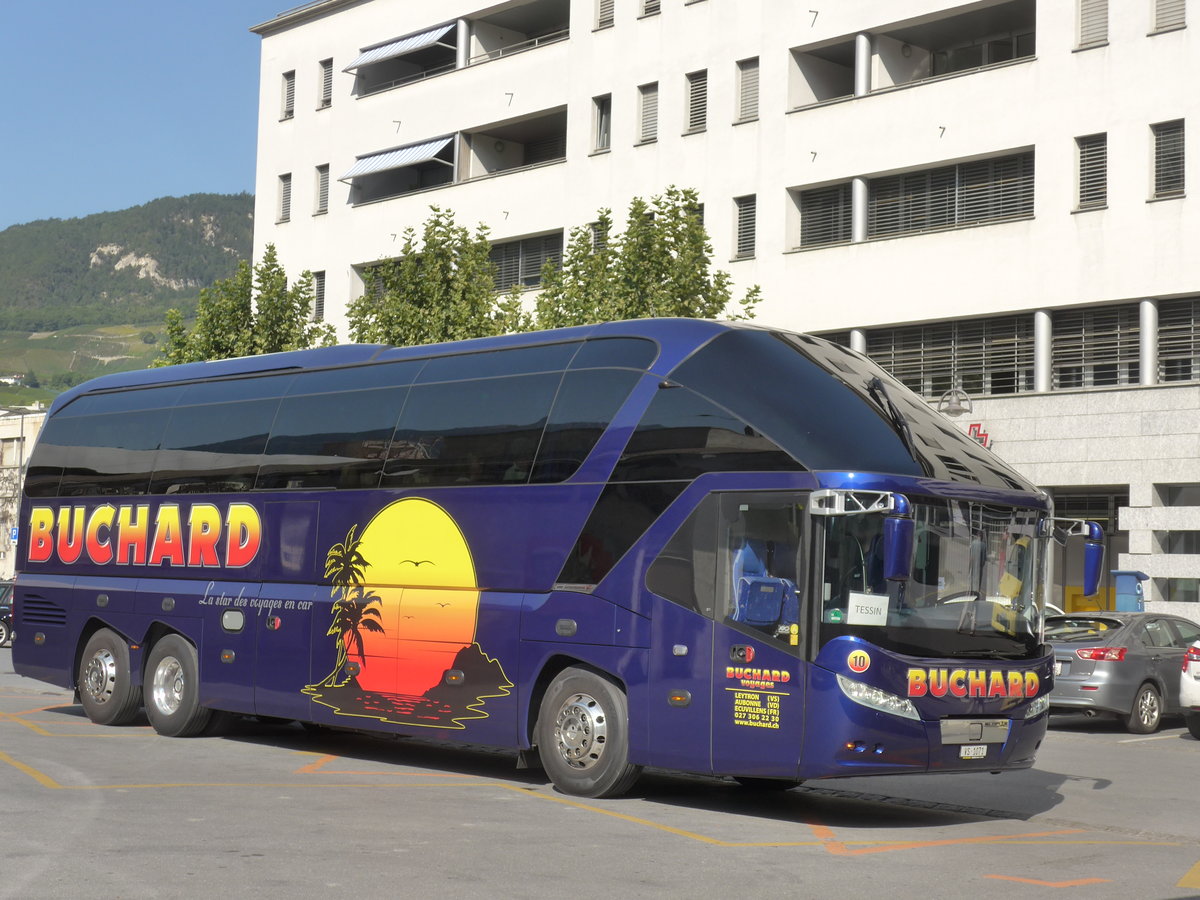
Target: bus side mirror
<point>898,548</point>
<point>1093,558</point>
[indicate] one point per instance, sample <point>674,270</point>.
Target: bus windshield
<point>975,590</point>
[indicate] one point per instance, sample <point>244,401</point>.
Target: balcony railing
<point>522,45</point>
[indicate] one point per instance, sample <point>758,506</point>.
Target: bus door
<point>283,664</point>
<point>725,673</point>
<point>758,675</point>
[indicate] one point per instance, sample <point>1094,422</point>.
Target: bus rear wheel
<point>171,689</point>
<point>105,681</point>
<point>583,735</point>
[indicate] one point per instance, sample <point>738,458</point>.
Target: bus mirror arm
<point>898,535</point>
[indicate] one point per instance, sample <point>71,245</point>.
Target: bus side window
<point>685,571</point>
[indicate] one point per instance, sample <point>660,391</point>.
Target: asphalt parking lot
<point>272,809</point>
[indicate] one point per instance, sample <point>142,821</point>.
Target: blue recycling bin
<point>1129,590</point>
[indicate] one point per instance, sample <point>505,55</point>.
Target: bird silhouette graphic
<point>416,562</point>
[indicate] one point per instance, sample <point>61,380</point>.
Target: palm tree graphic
<point>355,609</point>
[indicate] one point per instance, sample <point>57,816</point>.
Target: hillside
<point>120,267</point>
<point>85,297</point>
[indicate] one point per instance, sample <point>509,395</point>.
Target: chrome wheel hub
<point>166,689</point>
<point>100,676</point>
<point>580,731</point>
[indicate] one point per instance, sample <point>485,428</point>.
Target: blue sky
<point>113,103</point>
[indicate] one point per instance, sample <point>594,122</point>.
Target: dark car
<point>1122,663</point>
<point>6,592</point>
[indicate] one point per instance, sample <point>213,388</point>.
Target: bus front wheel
<point>171,689</point>
<point>105,682</point>
<point>583,735</point>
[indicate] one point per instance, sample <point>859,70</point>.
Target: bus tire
<point>5,633</point>
<point>1146,714</point>
<point>171,689</point>
<point>583,735</point>
<point>105,680</point>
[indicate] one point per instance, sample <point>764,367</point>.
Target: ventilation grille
<point>36,611</point>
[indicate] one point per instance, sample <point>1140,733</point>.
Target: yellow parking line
<point>40,777</point>
<point>1191,879</point>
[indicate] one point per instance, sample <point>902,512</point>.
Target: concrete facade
<point>849,95</point>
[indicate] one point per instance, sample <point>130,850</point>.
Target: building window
<point>604,13</point>
<point>402,170</point>
<point>322,190</point>
<point>989,190</point>
<point>318,308</point>
<point>648,113</point>
<point>1093,23</point>
<point>1093,171</point>
<point>1182,590</point>
<point>1178,339</point>
<point>602,114</point>
<point>651,7</point>
<point>697,101</point>
<point>747,89</point>
<point>984,357</point>
<point>1169,14</point>
<point>326,84</point>
<point>285,197</point>
<point>289,95</point>
<point>1186,543</point>
<point>520,262</point>
<point>1096,347</point>
<point>1168,159</point>
<point>405,59</point>
<point>825,215</point>
<point>744,237</point>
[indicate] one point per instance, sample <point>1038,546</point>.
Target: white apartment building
<point>989,198</point>
<point>19,428</point>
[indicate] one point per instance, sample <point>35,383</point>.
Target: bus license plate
<point>972,751</point>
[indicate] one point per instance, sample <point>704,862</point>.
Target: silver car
<point>1123,663</point>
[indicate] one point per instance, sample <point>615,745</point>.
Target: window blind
<point>1170,14</point>
<point>748,89</point>
<point>697,98</point>
<point>1168,159</point>
<point>1093,170</point>
<point>326,83</point>
<point>649,124</point>
<point>1093,22</point>
<point>747,208</point>
<point>604,13</point>
<point>825,215</point>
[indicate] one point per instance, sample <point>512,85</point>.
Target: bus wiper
<point>976,653</point>
<point>880,395</point>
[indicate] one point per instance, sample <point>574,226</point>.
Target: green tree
<point>660,266</point>
<point>441,287</point>
<point>255,311</point>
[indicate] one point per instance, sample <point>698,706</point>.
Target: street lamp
<point>955,402</point>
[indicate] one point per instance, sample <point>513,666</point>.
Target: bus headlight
<point>1038,706</point>
<point>874,698</point>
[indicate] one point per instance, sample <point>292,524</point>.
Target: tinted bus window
<point>819,420</point>
<point>620,517</point>
<point>583,409</point>
<point>682,435</point>
<point>108,454</point>
<point>627,353</point>
<point>217,447</point>
<point>336,440</point>
<point>550,358</point>
<point>484,431</point>
<point>122,401</point>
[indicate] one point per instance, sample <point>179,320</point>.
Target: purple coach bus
<point>701,546</point>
